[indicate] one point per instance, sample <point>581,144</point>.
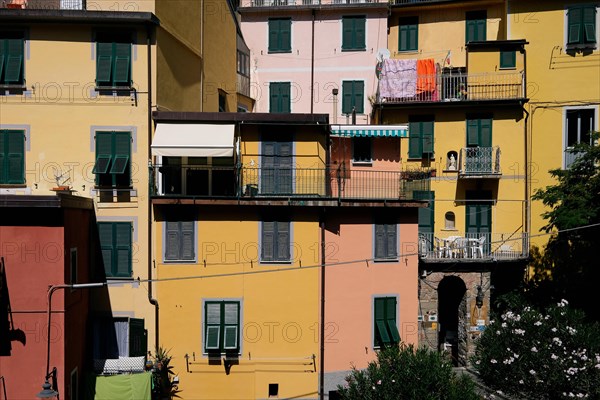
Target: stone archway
<point>452,317</point>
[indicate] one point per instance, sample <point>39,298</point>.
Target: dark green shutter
<point>471,31</point>
<point>508,59</point>
<point>347,33</point>
<point>283,241</point>
<point>273,35</point>
<point>347,97</point>
<point>413,35</point>
<point>391,241</point>
<point>359,96</point>
<point>3,158</point>
<point>472,132</point>
<point>380,238</point>
<point>137,338</point>
<point>103,152</point>
<point>121,152</point>
<point>353,33</point>
<point>212,315</point>
<point>574,21</point>
<point>104,63</point>
<point>481,29</point>
<point>427,134</point>
<point>390,317</point>
<point>359,29</point>
<point>285,35</point>
<point>122,60</point>
<point>13,157</point>
<point>381,330</point>
<point>123,249</point>
<point>415,144</point>
<point>187,240</point>
<point>426,215</point>
<point>274,96</point>
<point>485,133</point>
<point>231,328</point>
<point>3,56</point>
<point>14,61</point>
<point>268,241</point>
<point>589,24</point>
<point>105,234</point>
<point>409,34</point>
<point>284,97</point>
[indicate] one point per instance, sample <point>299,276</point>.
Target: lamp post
<point>51,390</point>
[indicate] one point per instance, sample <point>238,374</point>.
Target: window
<point>449,221</point>
<point>280,35</point>
<point>180,242</point>
<point>353,97</point>
<point>12,50</point>
<point>221,326</point>
<point>362,149</point>
<point>115,242</point>
<point>243,63</point>
<point>275,241</point>
<point>12,157</point>
<point>73,266</point>
<point>386,328</point>
<point>579,125</point>
<point>427,214</point>
<point>113,151</point>
<point>386,242</point>
<point>479,132</point>
<point>222,101</point>
<point>476,26</point>
<point>420,137</point>
<point>508,59</point>
<point>279,97</point>
<point>119,337</point>
<point>353,33</point>
<point>581,26</point>
<point>408,39</point>
<point>113,60</point>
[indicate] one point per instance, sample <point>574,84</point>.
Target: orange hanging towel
<point>425,75</point>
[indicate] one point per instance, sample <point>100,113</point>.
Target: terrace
<point>473,247</point>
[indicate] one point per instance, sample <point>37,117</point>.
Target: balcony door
<point>479,146</point>
<point>276,167</point>
<point>479,217</point>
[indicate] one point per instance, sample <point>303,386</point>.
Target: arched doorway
<point>452,311</point>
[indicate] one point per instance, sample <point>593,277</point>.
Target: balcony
<point>44,4</point>
<point>446,88</point>
<point>304,3</point>
<point>256,183</point>
<point>473,247</point>
<point>479,162</point>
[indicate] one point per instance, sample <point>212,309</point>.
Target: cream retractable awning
<point>193,140</point>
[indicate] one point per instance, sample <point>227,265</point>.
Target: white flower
<point>379,382</point>
<point>554,329</point>
<point>557,341</point>
<point>373,387</point>
<point>571,394</point>
<point>554,356</point>
<point>532,372</point>
<point>519,332</point>
<point>598,366</point>
<point>504,325</point>
<point>393,381</point>
<point>515,355</point>
<point>563,303</point>
<point>477,362</point>
<point>521,382</point>
<point>534,349</point>
<point>538,323</point>
<point>493,361</point>
<point>572,331</point>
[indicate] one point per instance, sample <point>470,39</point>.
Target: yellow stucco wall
<point>488,60</point>
<point>442,30</point>
<point>557,80</point>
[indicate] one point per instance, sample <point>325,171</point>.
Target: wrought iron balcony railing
<point>285,3</point>
<point>473,246</point>
<point>479,161</point>
<point>255,182</point>
<point>402,88</point>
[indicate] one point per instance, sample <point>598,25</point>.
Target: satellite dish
<point>382,54</point>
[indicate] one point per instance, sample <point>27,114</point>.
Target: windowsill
<point>415,51</point>
<point>420,158</point>
<point>507,68</point>
<point>217,354</point>
<point>18,89</point>
<point>288,262</point>
<point>179,262</point>
<point>451,171</point>
<point>386,260</point>
<point>581,47</point>
<point>279,52</point>
<point>363,163</point>
<point>346,50</point>
<point>13,185</point>
<point>449,230</point>
<point>114,90</point>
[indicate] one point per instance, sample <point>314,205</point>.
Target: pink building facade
<point>315,50</point>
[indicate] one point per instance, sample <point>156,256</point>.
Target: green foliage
<point>567,267</point>
<point>162,375</point>
<point>405,373</point>
<point>550,354</point>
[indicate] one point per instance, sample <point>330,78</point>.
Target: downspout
<point>312,64</point>
<point>152,300</point>
<point>322,349</point>
<point>202,56</point>
<point>526,166</point>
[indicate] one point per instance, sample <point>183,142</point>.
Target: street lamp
<point>49,391</point>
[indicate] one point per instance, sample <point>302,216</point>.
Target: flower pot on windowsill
<point>433,173</point>
<point>62,189</point>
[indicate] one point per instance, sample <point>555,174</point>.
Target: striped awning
<point>370,130</point>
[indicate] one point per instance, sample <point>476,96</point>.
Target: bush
<point>540,355</point>
<point>401,372</point>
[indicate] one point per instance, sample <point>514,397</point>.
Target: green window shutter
<point>409,34</point>
<point>173,240</point>
<point>589,24</point>
<point>284,97</point>
<point>415,144</point>
<point>12,157</point>
<point>347,33</point>
<point>381,332</point>
<point>471,31</point>
<point>212,315</point>
<point>105,234</point>
<point>231,329</point>
<point>273,35</point>
<point>413,37</point>
<point>123,249</point>
<point>404,38</point>
<point>274,97</point>
<point>268,241</point>
<point>481,29</point>
<point>391,241</point>
<point>508,59</point>
<point>427,134</point>
<point>390,317</point>
<point>359,96</point>
<point>359,35</point>
<point>122,64</point>
<point>104,62</point>
<point>472,222</point>
<point>14,61</point>
<point>285,35</point>
<point>104,152</point>
<point>122,149</point>
<point>426,215</point>
<point>187,240</point>
<point>380,238</point>
<point>2,57</point>
<point>137,338</point>
<point>283,241</point>
<point>485,133</point>
<point>472,132</point>
<point>347,97</point>
<point>574,25</point>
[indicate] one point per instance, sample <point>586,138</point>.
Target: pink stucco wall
<point>385,153</point>
<point>332,65</point>
<point>351,288</point>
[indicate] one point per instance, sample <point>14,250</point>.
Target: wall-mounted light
<point>49,391</point>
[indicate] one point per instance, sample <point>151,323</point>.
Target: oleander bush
<point>540,354</point>
<point>403,372</point>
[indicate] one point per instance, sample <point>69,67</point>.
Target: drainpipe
<point>322,350</point>
<point>152,300</point>
<point>526,167</point>
<point>312,64</point>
